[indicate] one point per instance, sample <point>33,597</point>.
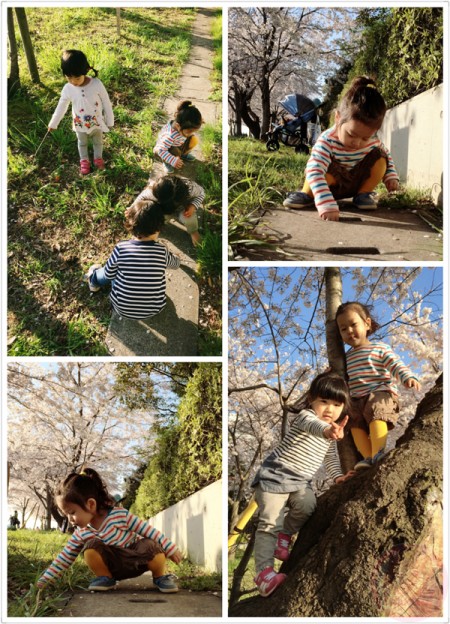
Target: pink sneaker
<point>282,548</point>
<point>99,163</point>
<point>85,167</point>
<point>268,580</point>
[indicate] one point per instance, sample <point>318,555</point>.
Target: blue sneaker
<point>102,583</point>
<point>365,201</point>
<point>363,464</point>
<point>189,157</point>
<point>378,457</point>
<point>168,168</point>
<point>166,583</point>
<point>299,199</point>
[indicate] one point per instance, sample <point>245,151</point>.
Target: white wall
<point>195,525</point>
<point>414,132</point>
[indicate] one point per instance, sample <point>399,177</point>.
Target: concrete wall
<point>195,525</point>
<point>414,133</point>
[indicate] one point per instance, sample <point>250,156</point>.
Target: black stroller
<point>293,132</point>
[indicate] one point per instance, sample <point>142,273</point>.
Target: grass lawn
<point>30,553</point>
<point>59,223</point>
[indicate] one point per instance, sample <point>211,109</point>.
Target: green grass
<point>59,222</point>
<point>31,552</point>
<point>248,584</point>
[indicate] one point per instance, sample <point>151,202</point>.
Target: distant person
<point>14,522</point>
<point>178,196</point>
<point>116,544</point>
<point>284,478</point>
<point>136,268</point>
<point>348,160</point>
<point>92,113</point>
<point>177,139</point>
<point>373,372</point>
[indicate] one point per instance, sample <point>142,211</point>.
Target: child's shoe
<point>363,464</point>
<point>102,583</point>
<point>268,580</point>
<point>168,168</point>
<point>365,201</point>
<point>88,275</point>
<point>189,157</point>
<point>298,199</point>
<point>85,167</point>
<point>99,163</point>
<point>166,583</point>
<point>378,457</point>
<point>282,548</point>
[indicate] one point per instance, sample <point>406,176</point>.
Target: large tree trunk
<point>14,76</point>
<point>28,46</point>
<point>373,546</point>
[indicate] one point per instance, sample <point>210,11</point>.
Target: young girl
<point>137,267</point>
<point>372,369</point>
<point>92,113</point>
<point>115,543</point>
<point>284,478</point>
<point>177,138</point>
<point>176,195</point>
<point>348,160</point>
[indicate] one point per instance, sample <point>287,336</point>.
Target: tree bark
<point>27,44</point>
<point>14,76</point>
<point>359,553</point>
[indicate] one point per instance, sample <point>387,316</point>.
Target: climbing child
<point>136,267</point>
<point>178,196</point>
<point>284,478</point>
<point>348,160</point>
<point>116,544</point>
<point>372,370</point>
<point>92,113</point>
<point>177,138</point>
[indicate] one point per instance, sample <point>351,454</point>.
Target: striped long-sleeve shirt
<point>374,367</point>
<point>299,456</point>
<point>138,270</point>
<point>328,146</point>
<point>120,528</point>
<point>168,137</point>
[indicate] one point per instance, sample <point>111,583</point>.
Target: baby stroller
<point>300,112</point>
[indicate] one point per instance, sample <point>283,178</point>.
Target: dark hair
<point>364,312</point>
<point>362,102</point>
<point>188,116</point>
<point>77,488</point>
<point>144,218</point>
<point>74,63</point>
<point>327,386</point>
<point>172,192</point>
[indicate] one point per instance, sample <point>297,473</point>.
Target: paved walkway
<point>174,331</point>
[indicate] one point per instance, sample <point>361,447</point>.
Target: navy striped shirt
<point>138,270</point>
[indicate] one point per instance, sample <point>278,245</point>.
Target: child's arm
<point>400,371</point>
<point>107,106</point>
<point>111,266</point>
<point>61,109</point>
<point>172,261</point>
<point>63,561</point>
<point>136,525</point>
<point>163,144</point>
<point>333,465</point>
<point>316,168</point>
<point>390,179</point>
<point>197,196</point>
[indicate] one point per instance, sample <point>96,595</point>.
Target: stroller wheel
<point>301,149</point>
<point>272,145</point>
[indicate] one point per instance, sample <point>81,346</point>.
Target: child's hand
<point>50,129</point>
<point>392,185</point>
<point>178,163</point>
<point>40,585</point>
<point>348,475</point>
<point>177,557</point>
<point>330,216</point>
<point>335,431</point>
<point>412,383</point>
<point>190,210</point>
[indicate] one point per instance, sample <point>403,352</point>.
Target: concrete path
<point>174,331</point>
<point>381,234</point>
<point>140,598</point>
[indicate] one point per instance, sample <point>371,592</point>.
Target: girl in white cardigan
<point>92,113</point>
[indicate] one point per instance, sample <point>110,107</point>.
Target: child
<point>176,195</point>
<point>348,160</point>
<point>115,543</point>
<point>284,478</point>
<point>137,267</point>
<point>372,369</point>
<point>176,140</point>
<point>92,113</point>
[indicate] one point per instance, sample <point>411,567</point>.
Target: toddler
<point>137,267</point>
<point>284,478</point>
<point>177,138</point>
<point>116,544</point>
<point>92,113</point>
<point>348,160</point>
<point>372,370</point>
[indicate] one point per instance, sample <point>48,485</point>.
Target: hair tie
<point>83,474</point>
<point>371,86</point>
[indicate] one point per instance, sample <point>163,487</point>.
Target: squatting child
<point>285,476</point>
<point>177,139</point>
<point>92,113</point>
<point>348,159</point>
<point>373,370</point>
<point>115,543</point>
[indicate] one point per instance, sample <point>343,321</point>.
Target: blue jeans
<point>98,278</point>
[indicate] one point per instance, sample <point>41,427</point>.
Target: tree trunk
<point>265,105</point>
<point>28,46</point>
<point>372,548</point>
<point>14,77</point>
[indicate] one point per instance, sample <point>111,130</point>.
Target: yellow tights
<point>367,445</point>
<point>376,175</point>
<point>95,563</point>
